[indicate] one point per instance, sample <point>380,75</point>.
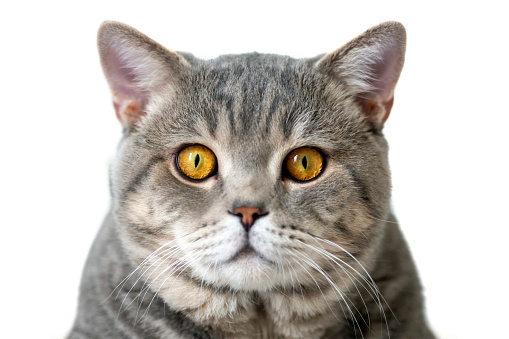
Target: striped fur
<point>327,259</point>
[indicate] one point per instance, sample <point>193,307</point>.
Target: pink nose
<point>248,215</point>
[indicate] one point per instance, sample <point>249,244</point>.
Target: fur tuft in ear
<point>370,66</point>
<point>136,67</point>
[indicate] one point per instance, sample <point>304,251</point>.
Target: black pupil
<point>196,160</point>
<point>305,162</point>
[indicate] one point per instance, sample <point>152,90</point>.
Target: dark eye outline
<point>286,173</point>
<point>185,176</point>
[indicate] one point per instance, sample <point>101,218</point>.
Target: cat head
<point>250,172</point>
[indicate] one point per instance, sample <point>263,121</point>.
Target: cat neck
<point>251,315</point>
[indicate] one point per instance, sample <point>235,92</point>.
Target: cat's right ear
<point>136,67</point>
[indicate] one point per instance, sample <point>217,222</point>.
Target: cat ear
<point>136,67</point>
<point>370,66</point>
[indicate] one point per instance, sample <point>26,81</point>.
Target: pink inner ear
<point>128,110</point>
<point>129,99</point>
<point>388,107</point>
<point>376,110</point>
<point>386,73</point>
<point>378,103</point>
<point>136,68</point>
<point>370,66</point>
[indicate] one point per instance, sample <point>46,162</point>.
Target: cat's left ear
<point>370,66</point>
<point>136,68</point>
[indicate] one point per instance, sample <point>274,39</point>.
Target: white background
<point>447,130</point>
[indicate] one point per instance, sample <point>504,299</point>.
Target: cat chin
<point>247,271</point>
<point>248,274</point>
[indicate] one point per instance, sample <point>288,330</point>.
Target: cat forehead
<point>252,96</point>
<point>257,61</point>
<point>254,78</point>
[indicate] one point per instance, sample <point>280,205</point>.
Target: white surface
<point>447,133</point>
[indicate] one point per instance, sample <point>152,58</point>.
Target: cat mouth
<point>247,252</point>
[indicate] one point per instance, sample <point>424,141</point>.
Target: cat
<point>251,197</point>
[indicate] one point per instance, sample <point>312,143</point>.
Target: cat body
<point>251,197</point>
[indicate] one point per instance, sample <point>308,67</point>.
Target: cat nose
<point>248,215</point>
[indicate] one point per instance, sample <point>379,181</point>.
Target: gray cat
<point>251,197</point>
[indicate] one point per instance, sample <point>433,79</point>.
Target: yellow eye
<point>304,163</point>
<point>196,162</point>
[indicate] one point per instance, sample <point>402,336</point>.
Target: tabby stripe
<point>363,189</point>
<point>142,174</point>
<point>341,226</point>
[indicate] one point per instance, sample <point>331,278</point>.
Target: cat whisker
<point>285,264</point>
<point>320,289</point>
<point>328,256</point>
<point>282,262</point>
<point>144,288</point>
<point>298,282</point>
<point>378,297</point>
<point>143,263</point>
<point>204,275</point>
<point>338,292</point>
<point>383,220</point>
<point>331,257</point>
<point>172,251</point>
<point>371,282</point>
<point>182,266</point>
<point>178,266</point>
<point>124,281</point>
<point>164,258</point>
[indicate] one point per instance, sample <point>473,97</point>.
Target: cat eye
<point>303,163</point>
<point>196,162</point>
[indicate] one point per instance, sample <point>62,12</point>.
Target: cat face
<point>204,188</point>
